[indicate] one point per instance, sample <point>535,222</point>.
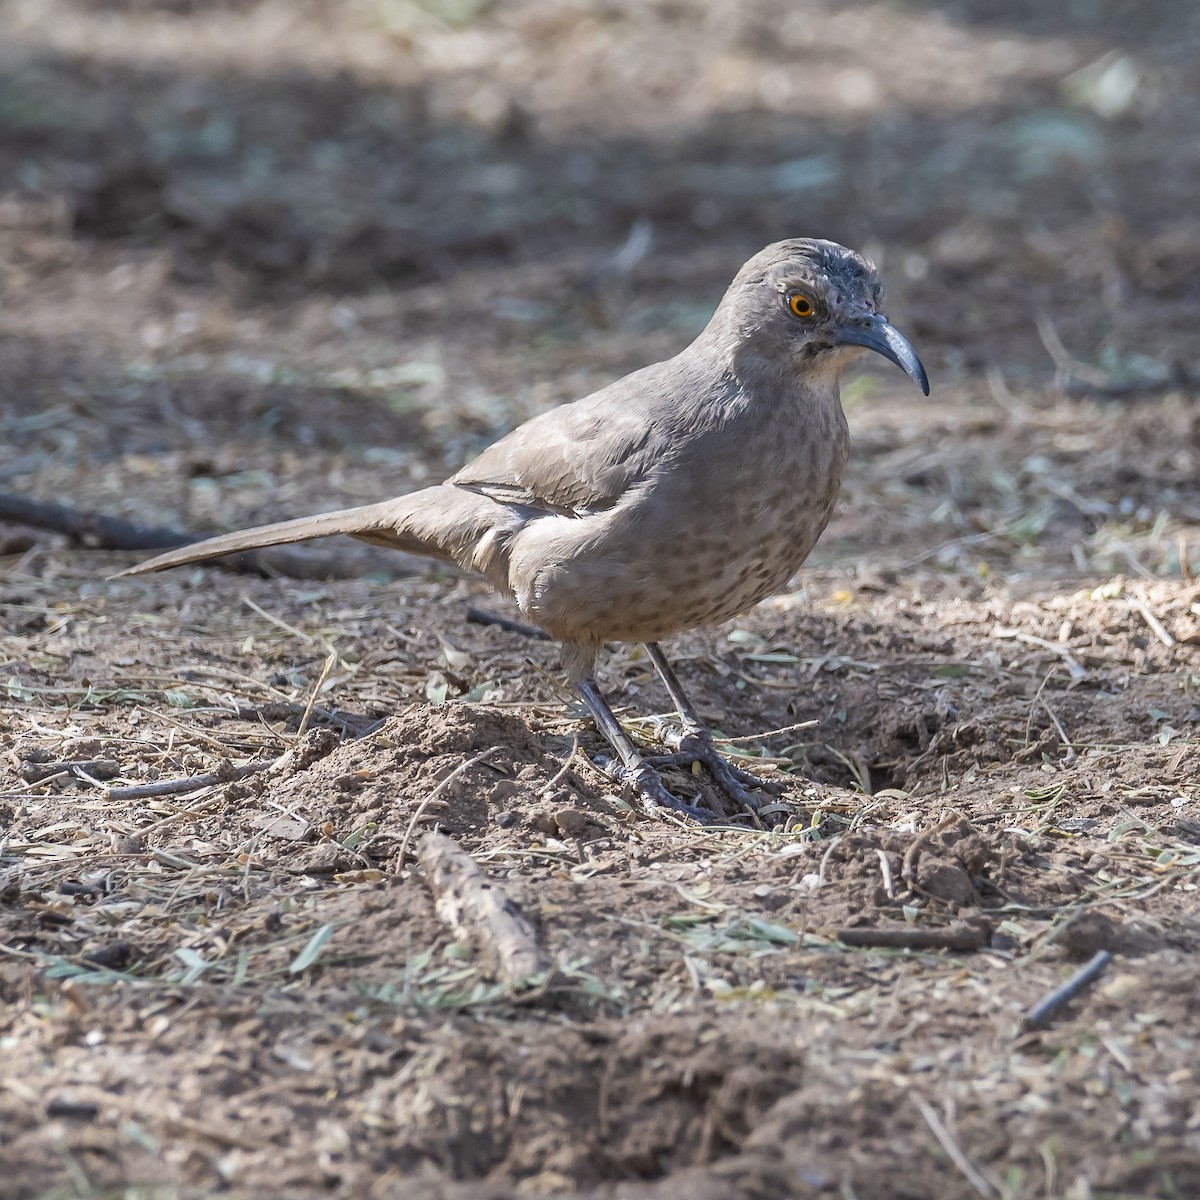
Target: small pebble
<point>571,822</point>
<point>543,822</point>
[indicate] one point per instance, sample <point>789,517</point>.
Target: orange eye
<point>801,306</point>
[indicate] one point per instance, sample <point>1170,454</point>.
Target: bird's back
<point>722,499</point>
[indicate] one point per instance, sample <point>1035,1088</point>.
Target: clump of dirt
<point>943,872</point>
<point>621,1100</point>
<point>468,768</point>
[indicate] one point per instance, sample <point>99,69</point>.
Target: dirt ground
<point>262,258</point>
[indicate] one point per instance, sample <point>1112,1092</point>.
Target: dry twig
<point>330,661</point>
<point>1039,1015</point>
<point>176,787</point>
<point>96,531</point>
<point>90,529</point>
<point>484,616</point>
<point>476,907</point>
<point>906,937</point>
<point>1156,626</point>
<point>766,733</point>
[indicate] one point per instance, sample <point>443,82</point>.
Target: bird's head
<point>810,305</point>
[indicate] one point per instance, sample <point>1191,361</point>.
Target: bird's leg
<point>694,743</point>
<point>632,767</point>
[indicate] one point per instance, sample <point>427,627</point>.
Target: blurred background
<point>257,259</point>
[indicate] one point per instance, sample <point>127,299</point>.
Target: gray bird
<point>678,496</point>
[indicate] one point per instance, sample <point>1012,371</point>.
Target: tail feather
<point>382,524</point>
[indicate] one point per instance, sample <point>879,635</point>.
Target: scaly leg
<point>694,743</point>
<point>632,768</point>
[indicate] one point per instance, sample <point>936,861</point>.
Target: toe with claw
<point>644,782</point>
<point>696,746</point>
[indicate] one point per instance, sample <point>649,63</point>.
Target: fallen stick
<point>1156,626</point>
<point>87,528</point>
<point>477,908</point>
<point>96,768</point>
<point>1039,1015</point>
<point>484,616</point>
<point>950,937</point>
<point>95,531</point>
<point>193,783</point>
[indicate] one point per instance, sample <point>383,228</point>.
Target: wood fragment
<point>95,768</point>
<point>477,908</point>
<point>193,783</point>
<point>484,616</point>
<point>96,531</point>
<point>1039,1015</point>
<point>960,936</point>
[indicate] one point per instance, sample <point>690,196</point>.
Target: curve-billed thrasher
<point>681,495</point>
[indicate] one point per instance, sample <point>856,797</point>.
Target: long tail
<point>442,522</point>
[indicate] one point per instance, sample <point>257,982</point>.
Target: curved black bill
<point>891,343</point>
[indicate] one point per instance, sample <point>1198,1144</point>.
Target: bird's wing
<point>581,457</point>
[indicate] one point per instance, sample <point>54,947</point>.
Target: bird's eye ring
<point>800,305</point>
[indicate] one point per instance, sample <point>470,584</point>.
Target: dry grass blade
<point>326,667</point>
<point>278,622</point>
<point>885,869</point>
<point>1058,728</point>
<point>433,795</point>
<point>834,842</point>
<point>970,1172</point>
<point>1156,626</point>
<point>756,737</point>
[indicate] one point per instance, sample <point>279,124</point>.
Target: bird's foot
<point>696,746</point>
<point>643,780</point>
